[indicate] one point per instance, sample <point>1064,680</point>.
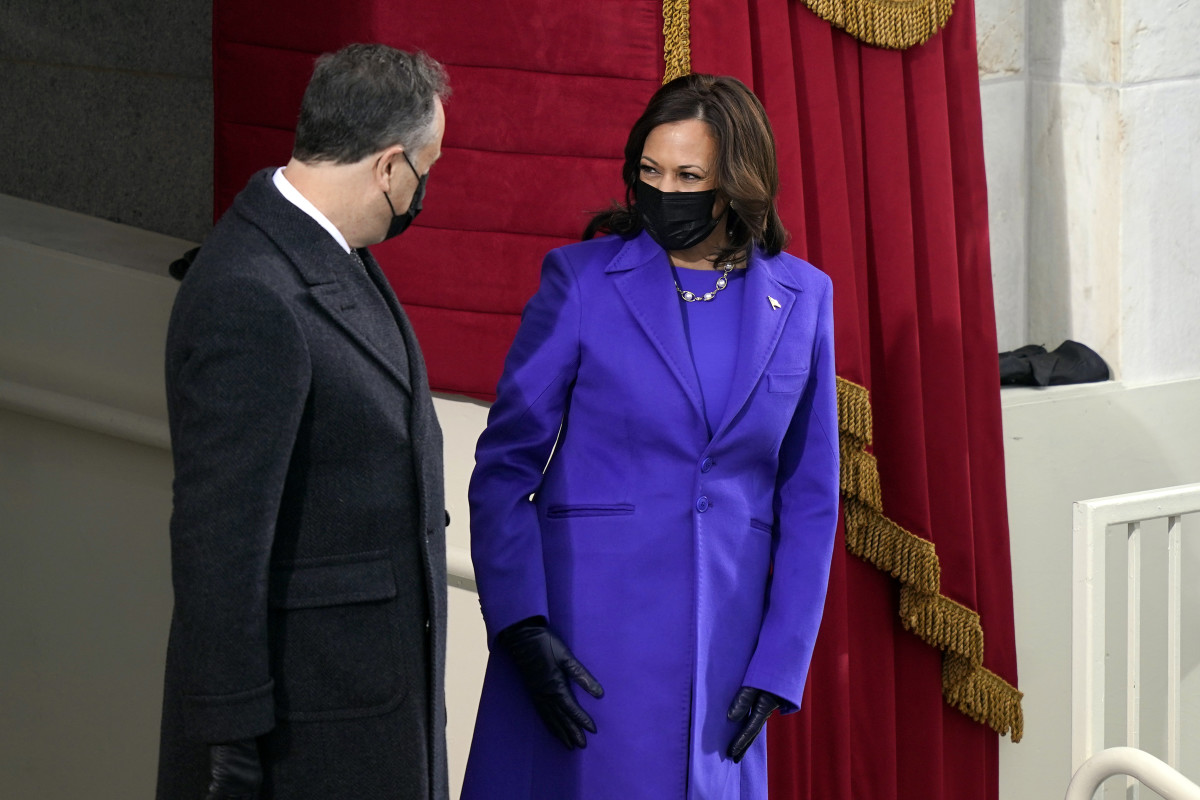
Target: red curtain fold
<point>882,187</point>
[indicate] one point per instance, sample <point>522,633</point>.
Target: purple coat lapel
<point>644,281</point>
<point>762,325</point>
<point>645,284</point>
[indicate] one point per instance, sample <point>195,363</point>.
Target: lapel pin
<point>774,303</point>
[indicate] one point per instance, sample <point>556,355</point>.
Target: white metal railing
<point>1139,764</point>
<point>1088,651</point>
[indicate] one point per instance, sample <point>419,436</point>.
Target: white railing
<point>1139,764</point>
<point>1088,652</point>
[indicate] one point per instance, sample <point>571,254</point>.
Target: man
<point>307,646</point>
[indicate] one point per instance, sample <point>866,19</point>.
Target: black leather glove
<point>548,668</point>
<point>754,706</point>
<point>235,770</point>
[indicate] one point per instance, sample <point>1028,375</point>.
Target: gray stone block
<point>171,38</point>
<point>132,148</point>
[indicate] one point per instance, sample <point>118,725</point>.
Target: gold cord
<point>677,48</point>
<point>894,24</point>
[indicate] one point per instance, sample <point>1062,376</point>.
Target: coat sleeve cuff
<point>786,689</point>
<point>498,616</point>
<point>229,717</point>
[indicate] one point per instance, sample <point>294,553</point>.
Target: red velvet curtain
<point>883,188</point>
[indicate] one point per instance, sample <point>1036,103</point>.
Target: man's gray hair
<point>365,98</point>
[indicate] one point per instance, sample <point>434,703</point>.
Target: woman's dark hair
<point>746,170</point>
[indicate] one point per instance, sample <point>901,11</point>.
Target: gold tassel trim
<point>894,24</point>
<point>945,624</point>
<point>854,411</point>
<point>983,696</point>
<point>859,474</point>
<point>677,43</point>
<point>882,543</point>
<point>950,626</point>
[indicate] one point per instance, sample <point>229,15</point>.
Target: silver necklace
<point>722,282</point>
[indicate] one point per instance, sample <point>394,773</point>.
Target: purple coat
<point>677,568</point>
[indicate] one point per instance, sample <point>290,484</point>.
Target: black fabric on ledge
<point>1070,362</point>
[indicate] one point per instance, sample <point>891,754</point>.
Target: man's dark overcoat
<point>308,532</point>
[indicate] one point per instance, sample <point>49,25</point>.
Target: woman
<point>671,559</point>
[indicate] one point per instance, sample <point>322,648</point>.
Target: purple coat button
<point>702,504</point>
<point>706,465</point>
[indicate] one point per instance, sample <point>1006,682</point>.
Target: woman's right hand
<point>548,668</point>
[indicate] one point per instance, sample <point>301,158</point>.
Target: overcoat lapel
<point>643,279</point>
<point>762,327</point>
<point>336,301</point>
<point>423,414</point>
<point>426,437</point>
<point>319,259</point>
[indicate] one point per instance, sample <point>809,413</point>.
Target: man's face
<point>422,161</point>
<point>427,155</point>
<point>400,174</point>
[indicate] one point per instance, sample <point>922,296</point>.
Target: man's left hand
<point>235,771</point>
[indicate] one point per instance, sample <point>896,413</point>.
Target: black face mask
<point>400,222</point>
<point>676,220</point>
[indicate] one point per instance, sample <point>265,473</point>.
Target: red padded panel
<point>260,85</point>
<point>479,261</point>
<point>544,93</point>
<point>241,151</point>
<point>548,195</point>
<point>512,110</point>
<point>451,340</point>
<point>619,38</point>
<point>311,26</point>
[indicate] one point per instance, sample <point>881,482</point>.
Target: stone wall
<point>1092,139</point>
<point>1003,87</point>
<point>108,109</point>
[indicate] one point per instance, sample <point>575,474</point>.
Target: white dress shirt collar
<point>301,202</point>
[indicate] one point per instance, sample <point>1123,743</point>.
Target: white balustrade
<point>1133,762</point>
<point>1092,518</point>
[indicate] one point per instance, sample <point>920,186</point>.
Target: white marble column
<point>1114,181</point>
<point>1003,86</point>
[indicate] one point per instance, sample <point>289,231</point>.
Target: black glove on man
<point>547,667</point>
<point>235,769</point>
<point>754,706</point>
